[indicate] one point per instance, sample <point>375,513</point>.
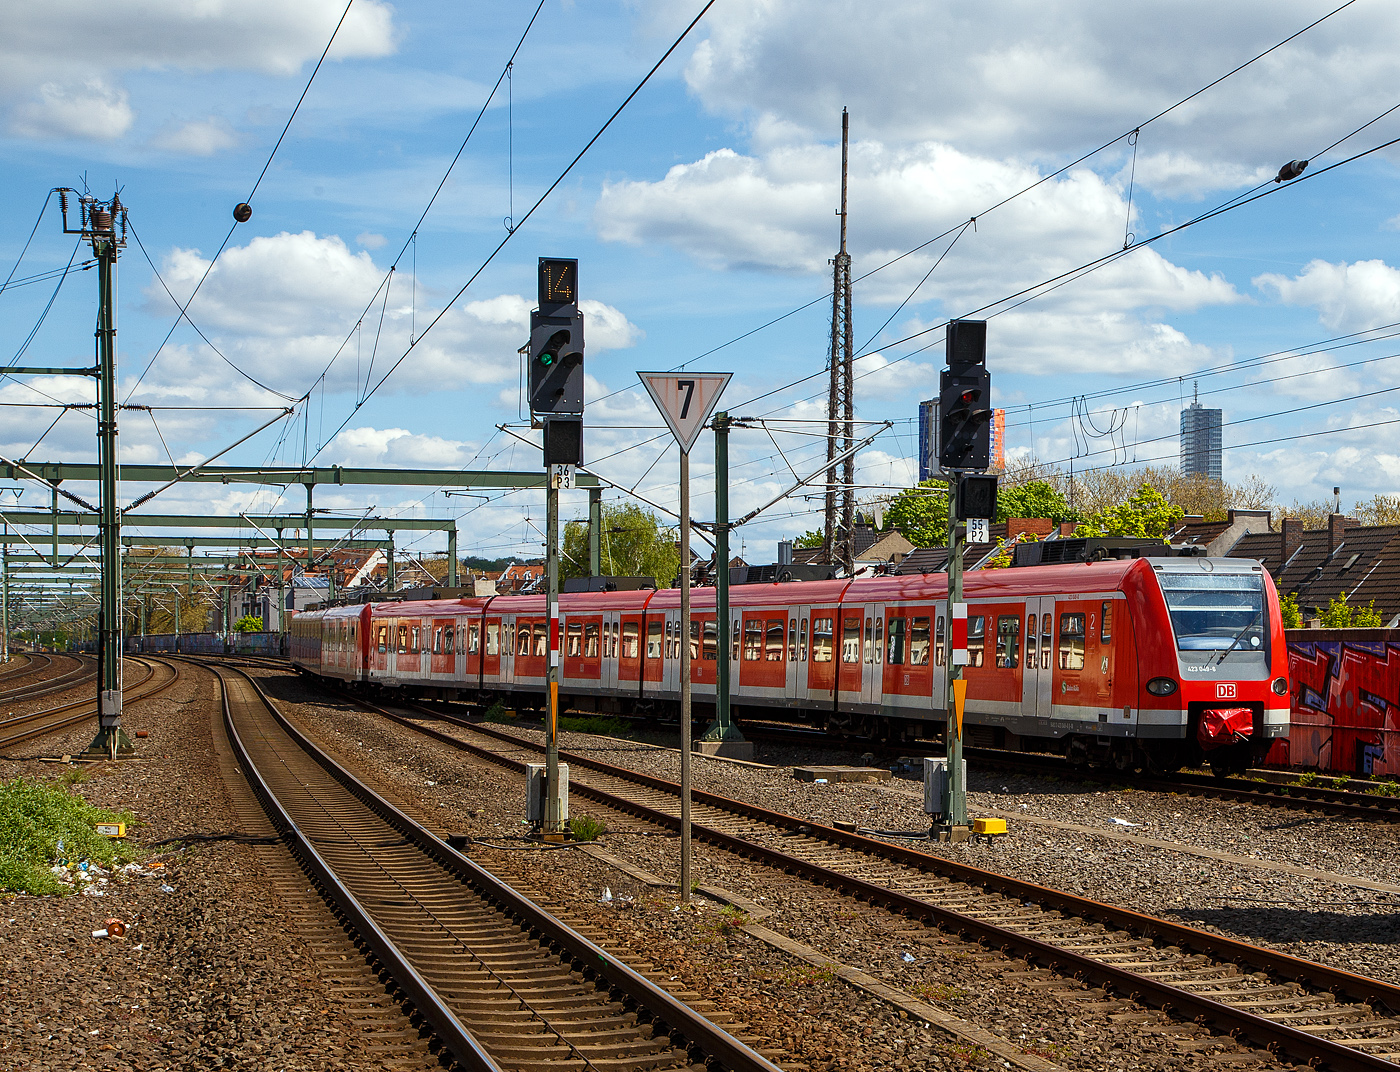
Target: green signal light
<point>546,359</point>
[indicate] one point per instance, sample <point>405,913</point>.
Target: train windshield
<point>1216,612</point>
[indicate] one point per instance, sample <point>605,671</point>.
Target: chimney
<point>1292,536</point>
<point>1036,526</point>
<point>1337,525</point>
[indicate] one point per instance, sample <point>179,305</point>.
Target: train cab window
<point>403,639</point>
<point>802,642</point>
<point>573,639</point>
<point>1031,658</point>
<point>525,634</point>
<point>938,638</point>
<point>1071,642</point>
<point>711,642</point>
<point>1008,641</point>
<point>850,639</point>
<point>631,640</point>
<point>822,640</point>
<point>447,633</point>
<point>493,639</point>
<point>1106,623</point>
<point>590,640</point>
<point>792,640</point>
<point>383,639</point>
<point>753,640</point>
<point>918,642</point>
<point>879,640</point>
<point>473,639</point>
<point>773,641</point>
<point>653,639</point>
<point>976,638</point>
<point>894,654</point>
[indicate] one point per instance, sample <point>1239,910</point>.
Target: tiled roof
<point>1361,560</point>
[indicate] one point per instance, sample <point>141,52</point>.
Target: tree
<point>1288,608</point>
<point>1036,498</point>
<point>1381,510</point>
<point>1147,514</point>
<point>249,623</point>
<point>810,538</point>
<point>1338,614</point>
<point>920,514</point>
<point>634,543</point>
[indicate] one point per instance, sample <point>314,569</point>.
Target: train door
<point>612,627</point>
<point>1038,670</point>
<point>491,651</point>
<point>506,673</point>
<point>873,654</point>
<point>796,654</point>
<point>671,679</point>
<point>850,629</point>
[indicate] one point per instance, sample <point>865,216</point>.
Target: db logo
<point>1224,690</point>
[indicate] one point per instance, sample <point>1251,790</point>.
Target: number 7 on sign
<point>685,400</point>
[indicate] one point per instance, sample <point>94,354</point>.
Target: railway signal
<point>964,399</point>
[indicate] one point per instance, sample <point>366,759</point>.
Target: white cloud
<point>370,240</point>
<point>1348,297</point>
<point>86,109</point>
<point>396,447</point>
<point>60,64</point>
<point>198,137</point>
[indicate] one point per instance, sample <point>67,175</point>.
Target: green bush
<point>249,623</point>
<point>596,724</point>
<point>34,818</point>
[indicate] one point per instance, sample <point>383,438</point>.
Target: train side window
<point>1008,641</point>
<point>694,639</point>
<point>792,640</point>
<point>573,639</point>
<point>473,639</point>
<point>403,639</point>
<point>493,639</point>
<point>383,639</point>
<point>802,641</point>
<point>869,642</point>
<point>976,638</point>
<point>654,639</point>
<point>938,641</point>
<point>1047,642</point>
<point>541,634</point>
<point>753,640</point>
<point>879,640</point>
<point>734,641</point>
<point>773,641</point>
<point>822,639</point>
<point>895,654</point>
<point>918,642</point>
<point>1071,641</point>
<point>631,640</point>
<point>850,638</point>
<point>446,640</point>
<point>525,634</point>
<point>590,640</point>
<point>1031,660</point>
<point>710,641</point>
<point>437,640</point>
<point>1106,623</point>
<point>415,643</point>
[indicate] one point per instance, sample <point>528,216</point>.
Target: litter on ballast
<point>907,957</point>
<point>1123,822</point>
<point>164,888</point>
<point>607,896</point>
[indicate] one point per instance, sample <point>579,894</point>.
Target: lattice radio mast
<point>838,534</point>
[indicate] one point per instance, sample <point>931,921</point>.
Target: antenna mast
<point>838,535</point>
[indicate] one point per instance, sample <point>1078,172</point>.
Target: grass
<point>807,975</point>
<point>586,828</point>
<point>941,992</point>
<point>600,725</point>
<point>729,921</point>
<point>34,818</point>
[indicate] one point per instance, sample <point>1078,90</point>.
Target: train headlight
<point>1161,686</point>
<point>1280,685</point>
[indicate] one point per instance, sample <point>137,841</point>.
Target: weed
<point>941,992</point>
<point>74,775</point>
<point>732,919</point>
<point>1051,1051</point>
<point>497,713</point>
<point>34,818</point>
<point>1388,788</point>
<point>587,828</point>
<point>598,725</point>
<point>968,1054</point>
<point>1307,778</point>
<point>807,975</point>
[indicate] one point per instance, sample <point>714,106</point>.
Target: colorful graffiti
<point>1346,702</point>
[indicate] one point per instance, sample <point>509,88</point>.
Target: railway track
<point>158,677</point>
<point>1299,1009</point>
<point>83,670</point>
<point>22,664</point>
<point>503,984</point>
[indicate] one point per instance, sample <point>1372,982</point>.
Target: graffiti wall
<point>1345,699</point>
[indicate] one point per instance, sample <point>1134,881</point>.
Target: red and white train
<point>1145,662</point>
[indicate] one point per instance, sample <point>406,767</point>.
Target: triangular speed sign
<point>686,400</point>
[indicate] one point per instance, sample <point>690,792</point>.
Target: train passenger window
<point>753,640</point>
<point>413,640</point>
<point>525,635</point>
<point>590,640</point>
<point>734,641</point>
<point>541,635</point>
<point>918,641</point>
<point>437,640</point>
<point>850,639</point>
<point>694,639</point>
<point>822,639</point>
<point>654,639</point>
<point>446,639</point>
<point>773,646</point>
<point>869,644</point>
<point>792,640</point>
<point>895,653</point>
<point>403,639</point>
<point>1106,623</point>
<point>573,639</point>
<point>802,642</point>
<point>1031,661</point>
<point>1071,641</point>
<point>711,641</point>
<point>493,638</point>
<point>938,636</point>
<point>473,639</point>
<point>631,640</point>
<point>976,638</point>
<point>879,640</point>
<point>1008,641</point>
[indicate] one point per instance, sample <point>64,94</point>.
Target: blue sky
<point>705,211</point>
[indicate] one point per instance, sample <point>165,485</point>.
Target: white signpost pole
<point>686,400</point>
